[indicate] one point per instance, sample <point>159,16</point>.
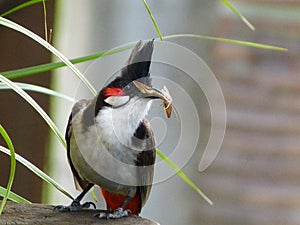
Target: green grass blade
<point>153,20</point>
<point>45,21</point>
<point>183,176</point>
<point>238,42</point>
<point>39,89</point>
<point>12,196</point>
<point>37,171</point>
<point>94,196</point>
<point>12,166</point>
<point>36,106</point>
<point>38,39</point>
<point>21,6</point>
<point>51,66</point>
<point>233,9</point>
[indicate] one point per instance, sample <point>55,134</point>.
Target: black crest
<point>137,66</point>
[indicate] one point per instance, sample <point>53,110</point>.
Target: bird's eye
<point>117,101</point>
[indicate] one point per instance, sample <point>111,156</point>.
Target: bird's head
<point>134,83</point>
<point>123,104</point>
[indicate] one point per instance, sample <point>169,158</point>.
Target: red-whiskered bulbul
<point>111,144</point>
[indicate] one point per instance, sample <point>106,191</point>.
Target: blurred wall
<point>255,178</point>
<point>27,130</point>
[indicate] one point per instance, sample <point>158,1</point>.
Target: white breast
<point>104,147</point>
<point>117,125</point>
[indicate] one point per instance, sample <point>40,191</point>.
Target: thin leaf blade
<point>13,74</point>
<point>233,9</point>
<point>153,20</point>
<point>21,6</point>
<point>183,176</point>
<point>41,41</point>
<point>11,150</point>
<point>39,89</point>
<point>232,41</point>
<point>36,106</point>
<point>37,171</point>
<point>13,196</point>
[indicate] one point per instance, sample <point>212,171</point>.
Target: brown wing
<point>80,184</point>
<point>145,160</point>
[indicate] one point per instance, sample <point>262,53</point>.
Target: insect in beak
<point>164,95</point>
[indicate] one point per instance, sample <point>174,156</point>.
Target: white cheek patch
<point>117,101</point>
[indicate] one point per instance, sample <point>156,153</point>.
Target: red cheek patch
<point>110,91</point>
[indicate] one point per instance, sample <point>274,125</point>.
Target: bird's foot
<point>75,206</point>
<point>118,213</point>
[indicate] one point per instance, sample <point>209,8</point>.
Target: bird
<point>110,143</point>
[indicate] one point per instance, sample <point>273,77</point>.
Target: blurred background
<point>254,179</point>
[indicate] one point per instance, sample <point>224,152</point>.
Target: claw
<point>75,206</point>
<point>87,205</point>
<point>118,213</point>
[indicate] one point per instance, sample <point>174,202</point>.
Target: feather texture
<point>102,139</point>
